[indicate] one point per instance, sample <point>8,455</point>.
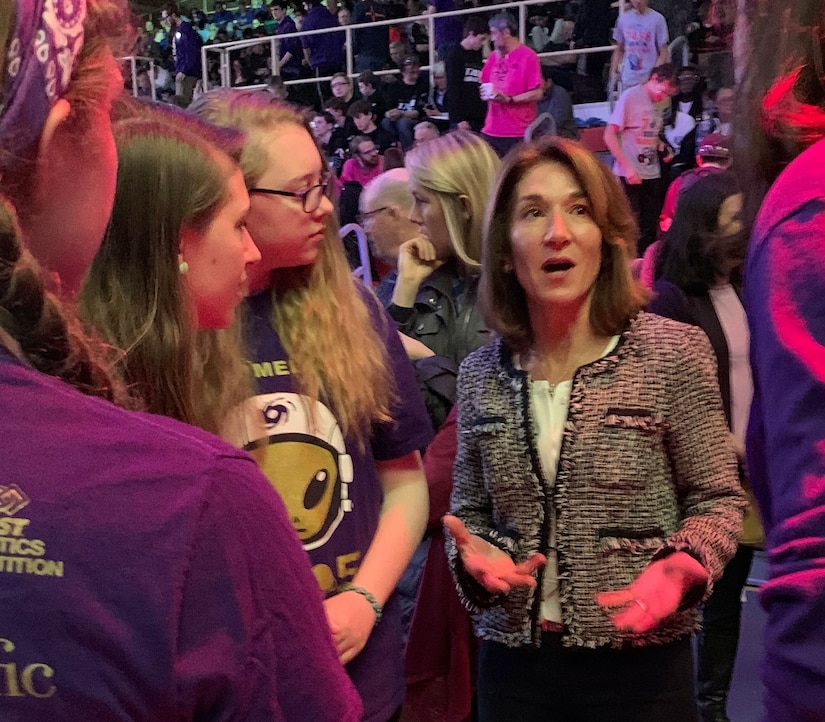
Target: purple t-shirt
<point>785,301</point>
<point>148,573</point>
<point>331,488</point>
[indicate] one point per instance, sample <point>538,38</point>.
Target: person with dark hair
<point>511,84</point>
<point>688,108</point>
<point>592,444</point>
<point>186,50</point>
<point>557,102</point>
<point>323,52</point>
<point>698,282</point>
<point>780,133</point>
<point>360,112</point>
<point>150,570</point>
<point>364,163</point>
<point>289,49</point>
<point>463,66</point>
<point>406,101</point>
<point>369,86</point>
<point>634,137</point>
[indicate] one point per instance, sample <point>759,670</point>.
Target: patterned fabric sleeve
<point>704,463</point>
<point>470,501</point>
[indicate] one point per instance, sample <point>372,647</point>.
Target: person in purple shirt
<point>324,52</point>
<point>186,49</point>
<point>289,49</point>
<point>336,403</point>
<point>149,572</point>
<point>781,127</point>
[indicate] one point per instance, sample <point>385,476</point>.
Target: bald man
<point>385,206</point>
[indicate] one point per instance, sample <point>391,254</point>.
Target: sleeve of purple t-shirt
<point>253,641</point>
<point>785,302</point>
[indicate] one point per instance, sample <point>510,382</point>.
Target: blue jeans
<point>402,129</point>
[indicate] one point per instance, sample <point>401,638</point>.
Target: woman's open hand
<point>657,592</point>
<point>491,567</point>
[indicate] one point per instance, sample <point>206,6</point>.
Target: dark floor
<point>745,701</point>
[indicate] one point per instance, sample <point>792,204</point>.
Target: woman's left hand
<point>657,592</point>
<point>351,619</point>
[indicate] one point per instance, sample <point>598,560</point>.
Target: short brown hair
<point>617,296</point>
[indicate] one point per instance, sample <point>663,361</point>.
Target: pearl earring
<point>183,266</point>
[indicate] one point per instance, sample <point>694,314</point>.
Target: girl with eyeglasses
<point>336,397</point>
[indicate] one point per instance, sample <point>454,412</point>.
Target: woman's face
<point>730,243</point>
<point>286,235</point>
<point>556,244</point>
<point>428,213</point>
<point>218,257</point>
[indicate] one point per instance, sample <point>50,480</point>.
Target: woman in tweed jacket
<point>592,436</point>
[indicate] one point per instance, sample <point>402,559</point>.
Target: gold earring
<point>183,266</point>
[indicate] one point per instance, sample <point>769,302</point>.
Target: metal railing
<point>520,6</point>
<point>133,61</point>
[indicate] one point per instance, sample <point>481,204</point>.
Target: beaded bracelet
<point>376,607</point>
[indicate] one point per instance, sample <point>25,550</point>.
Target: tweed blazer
<point>646,468</point>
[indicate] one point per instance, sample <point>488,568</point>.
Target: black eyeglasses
<point>363,218</point>
<point>310,198</point>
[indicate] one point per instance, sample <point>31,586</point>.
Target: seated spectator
<point>369,86</point>
<point>337,108</point>
<point>361,115</point>
<point>244,15</point>
<point>406,101</point>
<point>448,31</point>
<point>399,49</point>
<point>365,163</point>
<point>557,102</point>
<point>384,214</point>
<point>424,131</point>
<point>221,16</point>
<point>240,74</point>
<point>341,87</point>
<point>276,88</point>
<point>437,102</point>
<point>687,109</point>
<point>331,139</point>
<point>539,34</point>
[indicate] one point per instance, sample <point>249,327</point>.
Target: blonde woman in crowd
<point>131,590</point>
<point>335,393</point>
<point>434,297</point>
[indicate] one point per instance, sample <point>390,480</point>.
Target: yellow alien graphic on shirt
<point>301,450</point>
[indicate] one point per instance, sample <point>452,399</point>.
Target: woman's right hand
<point>491,567</point>
<point>417,259</point>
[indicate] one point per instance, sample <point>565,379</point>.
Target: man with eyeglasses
<point>365,163</point>
<point>385,206</point>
